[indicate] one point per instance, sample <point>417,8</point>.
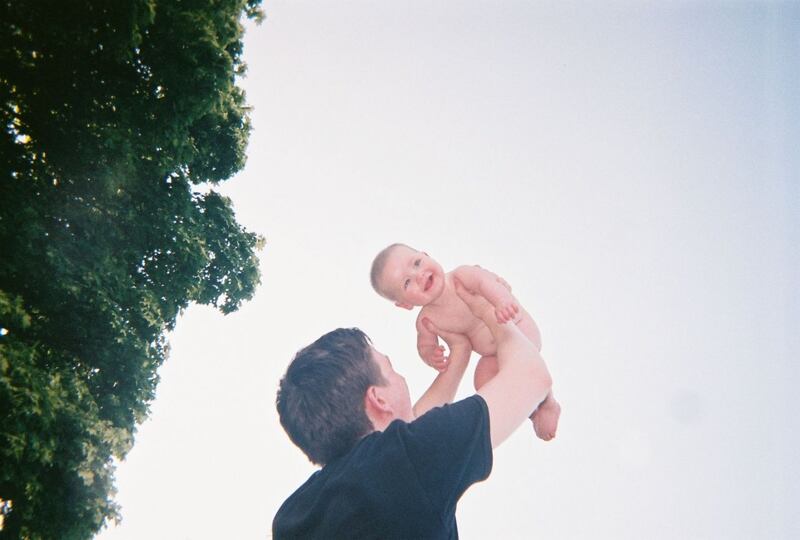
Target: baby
<point>411,278</point>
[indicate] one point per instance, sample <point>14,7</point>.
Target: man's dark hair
<point>321,397</point>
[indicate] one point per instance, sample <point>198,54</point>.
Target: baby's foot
<point>545,418</point>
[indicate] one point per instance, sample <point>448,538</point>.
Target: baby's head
<point>406,276</point>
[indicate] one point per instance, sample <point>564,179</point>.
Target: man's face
<point>412,278</point>
<point>395,391</point>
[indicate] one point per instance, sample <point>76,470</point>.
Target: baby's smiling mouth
<point>429,283</point>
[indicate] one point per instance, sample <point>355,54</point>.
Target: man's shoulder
<point>382,490</point>
<point>474,403</point>
<point>418,468</point>
<point>467,412</point>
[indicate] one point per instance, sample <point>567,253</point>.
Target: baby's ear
<point>403,305</point>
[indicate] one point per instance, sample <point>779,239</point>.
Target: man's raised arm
<point>444,387</point>
<point>522,380</point>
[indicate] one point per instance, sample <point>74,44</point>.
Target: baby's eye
<point>416,263</point>
<point>406,283</point>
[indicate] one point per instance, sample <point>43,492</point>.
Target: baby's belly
<point>482,341</point>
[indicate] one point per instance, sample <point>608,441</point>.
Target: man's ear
<point>373,400</point>
<point>404,305</point>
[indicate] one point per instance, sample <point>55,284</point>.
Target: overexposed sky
<point>630,167</point>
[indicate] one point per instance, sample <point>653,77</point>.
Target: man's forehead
<point>379,357</point>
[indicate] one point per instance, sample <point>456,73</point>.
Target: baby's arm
<point>444,387</point>
<point>490,287</point>
<point>428,346</point>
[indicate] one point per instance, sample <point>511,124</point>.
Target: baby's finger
<point>441,365</point>
<point>435,364</point>
<point>502,315</point>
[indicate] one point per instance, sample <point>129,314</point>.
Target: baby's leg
<point>545,417</point>
<point>485,370</point>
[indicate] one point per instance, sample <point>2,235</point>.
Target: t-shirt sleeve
<point>450,449</point>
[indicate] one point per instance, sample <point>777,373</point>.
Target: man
<point>390,470</point>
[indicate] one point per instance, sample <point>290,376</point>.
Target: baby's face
<point>412,278</point>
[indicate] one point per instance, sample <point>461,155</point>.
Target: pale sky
<point>631,168</point>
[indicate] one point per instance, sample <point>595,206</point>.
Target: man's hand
<point>480,308</point>
<point>454,341</point>
<point>493,288</point>
<point>497,278</point>
<point>508,308</point>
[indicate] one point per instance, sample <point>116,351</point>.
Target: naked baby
<point>412,278</point>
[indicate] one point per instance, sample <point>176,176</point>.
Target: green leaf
<point>112,113</point>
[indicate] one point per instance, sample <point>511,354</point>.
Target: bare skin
<point>412,278</point>
<point>521,382</point>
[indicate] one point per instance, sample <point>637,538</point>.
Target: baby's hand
<point>434,357</point>
<point>454,341</point>
<point>506,311</point>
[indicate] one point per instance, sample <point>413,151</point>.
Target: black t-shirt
<point>402,483</point>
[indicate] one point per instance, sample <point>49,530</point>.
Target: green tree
<point>118,119</point>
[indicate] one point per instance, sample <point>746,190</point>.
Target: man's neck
<point>381,423</point>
